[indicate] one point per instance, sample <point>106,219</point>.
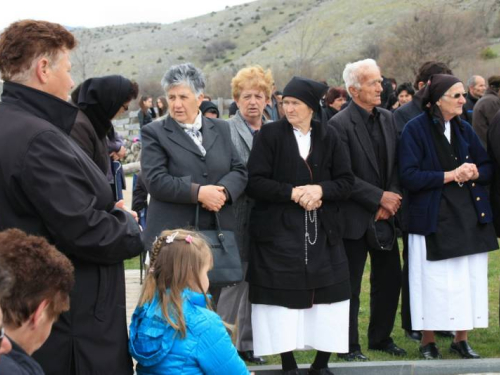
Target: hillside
<point>274,33</point>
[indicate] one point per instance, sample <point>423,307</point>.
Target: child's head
<point>180,259</point>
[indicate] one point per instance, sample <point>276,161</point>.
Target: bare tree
<point>437,34</point>
<point>309,43</point>
<point>86,55</point>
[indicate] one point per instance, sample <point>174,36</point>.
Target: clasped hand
<point>466,172</point>
<point>308,196</point>
<point>389,205</point>
<point>212,197</point>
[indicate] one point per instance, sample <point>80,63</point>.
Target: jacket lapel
<point>209,133</point>
<point>363,137</point>
<point>179,136</point>
<point>243,131</point>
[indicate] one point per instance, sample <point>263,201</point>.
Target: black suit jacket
<point>365,198</point>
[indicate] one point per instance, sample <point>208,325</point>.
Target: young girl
<point>173,330</point>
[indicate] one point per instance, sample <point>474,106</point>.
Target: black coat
<point>50,187</point>
<point>364,201</point>
<point>173,169</point>
<point>493,137</point>
<point>277,223</point>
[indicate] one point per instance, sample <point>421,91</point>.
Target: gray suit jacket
<point>242,140</point>
<point>364,201</point>
<point>173,168</point>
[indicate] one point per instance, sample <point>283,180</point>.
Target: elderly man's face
<point>59,82</point>
<point>5,345</point>
<point>368,95</point>
<point>251,104</point>
<point>479,88</point>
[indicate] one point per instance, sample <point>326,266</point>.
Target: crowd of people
<point>311,180</point>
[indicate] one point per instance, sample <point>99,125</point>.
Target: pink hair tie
<point>189,238</point>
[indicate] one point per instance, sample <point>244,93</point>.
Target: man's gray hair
<point>472,81</point>
<point>184,74</point>
<point>354,71</point>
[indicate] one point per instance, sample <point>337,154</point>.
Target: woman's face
<point>297,112</point>
<point>451,103</point>
<point>251,103</point>
<point>404,97</point>
<point>123,109</point>
<point>183,104</point>
<point>159,104</point>
<point>338,103</point>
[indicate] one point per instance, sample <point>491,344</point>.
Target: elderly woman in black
<point>445,169</point>
<point>298,271</point>
<point>189,160</point>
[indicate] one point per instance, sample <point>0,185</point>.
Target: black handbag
<point>227,268</point>
<point>381,234</point>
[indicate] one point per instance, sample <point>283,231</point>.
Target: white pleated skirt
<point>278,329</point>
<point>447,295</point>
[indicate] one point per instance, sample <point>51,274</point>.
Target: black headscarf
<point>436,87</point>
<point>306,90</point>
<point>101,98</point>
<point>206,105</point>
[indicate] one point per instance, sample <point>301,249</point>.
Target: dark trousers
<point>405,288</point>
<point>385,285</point>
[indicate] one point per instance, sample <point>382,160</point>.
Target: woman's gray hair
<point>184,74</point>
<point>353,72</point>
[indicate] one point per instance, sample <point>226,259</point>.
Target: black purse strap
<point>220,235</point>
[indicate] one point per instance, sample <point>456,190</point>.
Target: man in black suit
<point>370,135</point>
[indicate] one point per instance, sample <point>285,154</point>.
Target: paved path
<point>133,290</point>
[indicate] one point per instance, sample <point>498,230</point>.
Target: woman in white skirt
<point>298,273</point>
<point>445,169</point>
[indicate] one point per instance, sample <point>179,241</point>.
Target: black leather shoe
<point>430,351</point>
<point>323,371</point>
<point>445,334</point>
<point>463,349</point>
<point>391,349</point>
<point>353,356</point>
<point>249,357</point>
<point>414,335</point>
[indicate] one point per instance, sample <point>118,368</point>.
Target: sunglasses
<point>457,95</point>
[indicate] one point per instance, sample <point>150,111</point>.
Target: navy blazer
<point>421,173</point>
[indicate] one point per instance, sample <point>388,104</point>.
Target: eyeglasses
<point>125,107</point>
<point>457,95</point>
<point>2,335</point>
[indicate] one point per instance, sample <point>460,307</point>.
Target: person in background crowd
<point>476,86</point>
<point>146,112</point>
<point>209,109</point>
<point>51,188</point>
<point>251,89</point>
<point>371,138</point>
<point>100,100</point>
<point>334,99</point>
<point>43,278</point>
<point>232,109</point>
<point>298,273</point>
<point>5,285</point>
<point>404,94</point>
<point>412,109</point>
<point>394,83</point>
<point>140,200</point>
<point>189,160</point>
<point>486,108</point>
<point>388,96</point>
<point>403,115</point>
<point>272,112</point>
<point>161,104</point>
<point>174,306</point>
<point>279,99</point>
<point>207,98</point>
<point>446,170</point>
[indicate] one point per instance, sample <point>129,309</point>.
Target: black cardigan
<point>277,220</point>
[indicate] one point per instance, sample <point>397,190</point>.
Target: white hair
<point>353,72</point>
<point>184,74</point>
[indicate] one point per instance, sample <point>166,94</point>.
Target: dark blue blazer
<point>421,173</point>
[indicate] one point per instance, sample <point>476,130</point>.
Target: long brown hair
<point>176,264</point>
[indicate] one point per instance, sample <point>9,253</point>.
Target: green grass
<point>484,341</point>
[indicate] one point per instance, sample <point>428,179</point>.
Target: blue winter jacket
<point>159,349</point>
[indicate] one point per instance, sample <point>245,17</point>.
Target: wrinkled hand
<point>466,172</point>
<point>212,197</point>
<point>310,198</point>
<point>382,214</point>
<point>391,202</point>
<point>116,156</point>
<point>121,205</point>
